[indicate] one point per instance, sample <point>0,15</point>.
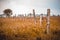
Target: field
<point>26,29</point>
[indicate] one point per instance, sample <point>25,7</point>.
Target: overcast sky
<point>26,6</point>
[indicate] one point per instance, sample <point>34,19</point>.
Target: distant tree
<point>54,15</point>
<point>8,12</point>
<point>58,15</point>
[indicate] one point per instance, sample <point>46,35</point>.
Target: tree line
<point>8,13</point>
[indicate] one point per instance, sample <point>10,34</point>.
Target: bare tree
<point>8,12</point>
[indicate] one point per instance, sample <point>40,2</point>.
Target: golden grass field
<point>26,29</point>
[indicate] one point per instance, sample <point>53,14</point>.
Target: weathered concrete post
<point>48,21</point>
<point>41,19</point>
<point>30,14</point>
<point>34,16</point>
<point>25,15</point>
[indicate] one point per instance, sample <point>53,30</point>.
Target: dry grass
<point>25,29</point>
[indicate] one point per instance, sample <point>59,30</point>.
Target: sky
<point>26,6</point>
